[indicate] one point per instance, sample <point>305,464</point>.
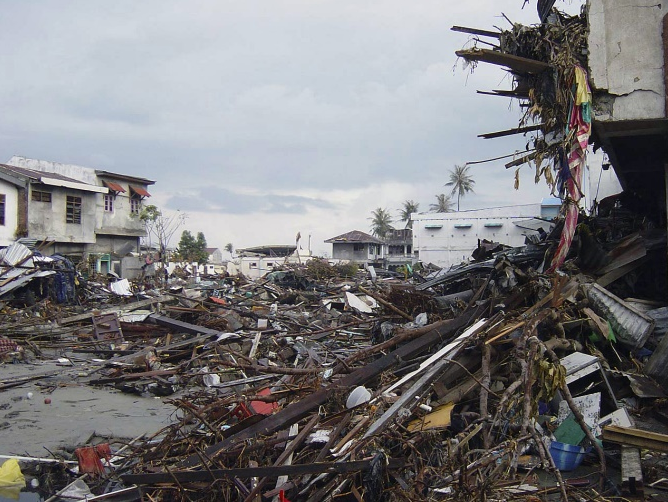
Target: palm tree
<point>461,182</point>
<point>409,208</point>
<point>443,204</point>
<point>229,247</point>
<point>381,222</point>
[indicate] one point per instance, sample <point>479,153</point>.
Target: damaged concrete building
<point>595,80</point>
<point>75,211</point>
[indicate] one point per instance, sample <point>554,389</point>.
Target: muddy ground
<point>76,412</point>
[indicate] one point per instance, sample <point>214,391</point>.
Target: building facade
<point>76,211</point>
<point>358,247</point>
<point>447,239</point>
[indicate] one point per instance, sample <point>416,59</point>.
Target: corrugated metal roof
<point>15,254</point>
<point>113,186</point>
<point>140,191</point>
<point>23,279</point>
<point>38,175</point>
<point>631,327</point>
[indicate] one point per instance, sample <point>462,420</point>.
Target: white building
<point>257,261</point>
<point>447,239</point>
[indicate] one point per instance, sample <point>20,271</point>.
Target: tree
<point>461,182</point>
<point>381,222</point>
<point>443,204</point>
<point>192,249</point>
<point>409,208</point>
<point>229,247</point>
<point>160,227</point>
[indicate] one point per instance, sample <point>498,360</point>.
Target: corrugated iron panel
<point>14,254</point>
<point>630,326</point>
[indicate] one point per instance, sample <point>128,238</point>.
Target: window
<point>73,210</point>
<point>358,247</point>
<point>108,202</point>
<point>135,204</point>
<point>39,196</point>
<point>2,209</point>
<point>253,265</point>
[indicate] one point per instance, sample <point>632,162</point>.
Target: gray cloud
<point>271,97</point>
<point>221,200</point>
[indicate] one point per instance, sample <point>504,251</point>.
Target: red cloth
<point>90,458</point>
<point>576,163</point>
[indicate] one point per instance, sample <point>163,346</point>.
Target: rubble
<point>533,373</point>
<point>491,380</point>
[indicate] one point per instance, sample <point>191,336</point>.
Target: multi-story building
<point>73,210</point>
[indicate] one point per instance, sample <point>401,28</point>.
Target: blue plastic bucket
<point>566,456</point>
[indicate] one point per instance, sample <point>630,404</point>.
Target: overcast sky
<point>261,119</point>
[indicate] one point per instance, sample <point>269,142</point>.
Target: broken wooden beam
<point>184,327</point>
<point>510,132</point>
<point>515,63</point>
<point>300,409</point>
<point>270,471</point>
<point>521,160</point>
<point>639,438</point>
<point>476,31</point>
<point>129,307</point>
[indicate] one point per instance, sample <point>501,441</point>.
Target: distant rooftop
<point>355,236</point>
<point>270,250</point>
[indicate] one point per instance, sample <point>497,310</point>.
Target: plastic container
<point>567,457</point>
<point>358,396</point>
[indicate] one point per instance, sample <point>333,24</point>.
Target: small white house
<point>447,239</point>
<point>257,261</point>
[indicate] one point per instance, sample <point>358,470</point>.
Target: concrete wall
<point>216,258</point>
<point>114,244</point>
<point>346,251</point>
<point>626,58</point>
<point>47,220</point>
<point>447,239</point>
<point>255,267</point>
<point>120,221</point>
<point>81,173</point>
<point>8,230</point>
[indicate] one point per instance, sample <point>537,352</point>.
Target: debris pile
<point>491,380</point>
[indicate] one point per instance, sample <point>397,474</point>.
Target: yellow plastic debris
<point>12,480</point>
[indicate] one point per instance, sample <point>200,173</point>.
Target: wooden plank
<point>636,437</point>
<point>182,326</point>
<point>298,410</point>
<point>119,309</point>
<point>521,160</point>
<point>510,132</point>
<point>507,94</point>
<point>440,360</point>
<point>632,480</point>
<point>515,63</point>
<point>476,31</point>
<point>271,471</point>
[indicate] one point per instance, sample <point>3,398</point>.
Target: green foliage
<point>191,249</point>
<point>381,222</point>
<point>347,269</point>
<point>409,207</point>
<point>320,269</point>
<point>159,228</point>
<point>229,247</point>
<point>443,204</point>
<point>149,213</point>
<point>461,182</point>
